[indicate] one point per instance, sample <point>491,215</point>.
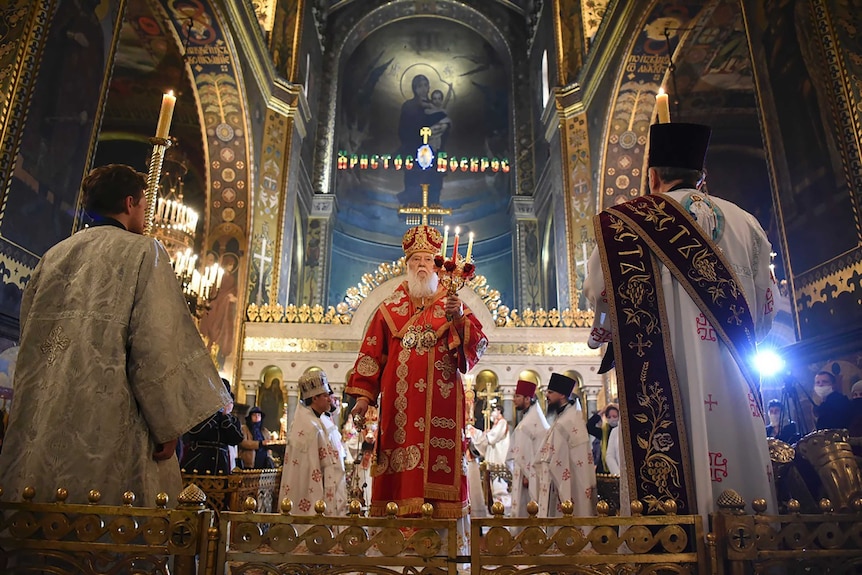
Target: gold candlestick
<point>154,175</point>
<point>454,273</point>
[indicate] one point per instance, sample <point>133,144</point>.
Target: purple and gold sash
<point>629,235</point>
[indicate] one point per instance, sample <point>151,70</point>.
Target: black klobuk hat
<point>678,145</point>
<point>561,384</point>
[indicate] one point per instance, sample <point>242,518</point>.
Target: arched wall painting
<point>404,76</point>
<point>210,60</point>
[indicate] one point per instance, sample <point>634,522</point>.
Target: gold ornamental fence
<point>91,539</point>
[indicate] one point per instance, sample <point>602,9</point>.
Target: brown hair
<point>106,188</point>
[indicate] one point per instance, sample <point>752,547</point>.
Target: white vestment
<point>726,434</point>
<point>334,434</point>
<point>564,466</point>
<point>110,365</point>
<point>313,469</point>
<point>612,456</point>
<point>525,443</point>
<point>494,443</point>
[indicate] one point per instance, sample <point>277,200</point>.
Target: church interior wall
<point>599,75</point>
<point>52,143</point>
<point>542,44</point>
<point>799,92</point>
<point>293,236</point>
<point>311,72</point>
<point>807,107</point>
<point>548,263</point>
<point>367,230</point>
<point>547,188</point>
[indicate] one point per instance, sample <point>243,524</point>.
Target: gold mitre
<point>422,239</point>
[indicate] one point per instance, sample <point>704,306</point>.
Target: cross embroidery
<point>602,335</point>
<point>717,466</point>
<point>710,402</point>
<point>704,329</point>
<point>752,405</point>
<point>736,311</point>
<point>56,342</point>
<point>770,302</point>
<point>640,344</point>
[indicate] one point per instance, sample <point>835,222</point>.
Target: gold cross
<point>640,345</point>
<point>57,341</point>
<point>425,133</point>
<point>425,210</point>
<point>487,395</point>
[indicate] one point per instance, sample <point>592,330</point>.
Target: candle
<point>661,105</point>
<point>445,241</point>
<point>455,245</point>
<point>469,248</point>
<point>192,261</point>
<point>219,277</point>
<point>165,114</point>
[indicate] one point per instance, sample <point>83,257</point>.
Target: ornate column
<point>573,221</point>
<point>529,292</point>
<point>273,222</point>
<point>247,391</point>
<point>317,239</point>
<point>292,400</point>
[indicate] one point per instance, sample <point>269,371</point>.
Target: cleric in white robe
<point>564,465</point>
<point>493,444</point>
<point>330,421</point>
<point>720,430</point>
<point>313,468</point>
<point>111,369</point>
<point>525,443</point>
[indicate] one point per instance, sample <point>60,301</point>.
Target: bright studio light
<point>768,362</point>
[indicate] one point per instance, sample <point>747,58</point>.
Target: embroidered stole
<point>632,239</point>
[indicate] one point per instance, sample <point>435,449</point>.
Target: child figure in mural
<point>438,120</point>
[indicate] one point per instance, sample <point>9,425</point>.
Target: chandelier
<point>175,225</point>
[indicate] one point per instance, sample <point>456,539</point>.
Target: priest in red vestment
<point>415,349</point>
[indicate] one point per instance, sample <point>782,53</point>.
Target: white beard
<point>419,288</point>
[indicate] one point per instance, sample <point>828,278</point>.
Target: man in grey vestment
<point>111,369</point>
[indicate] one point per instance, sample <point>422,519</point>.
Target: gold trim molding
<point>297,345</point>
<point>343,312</point>
<point>303,345</point>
